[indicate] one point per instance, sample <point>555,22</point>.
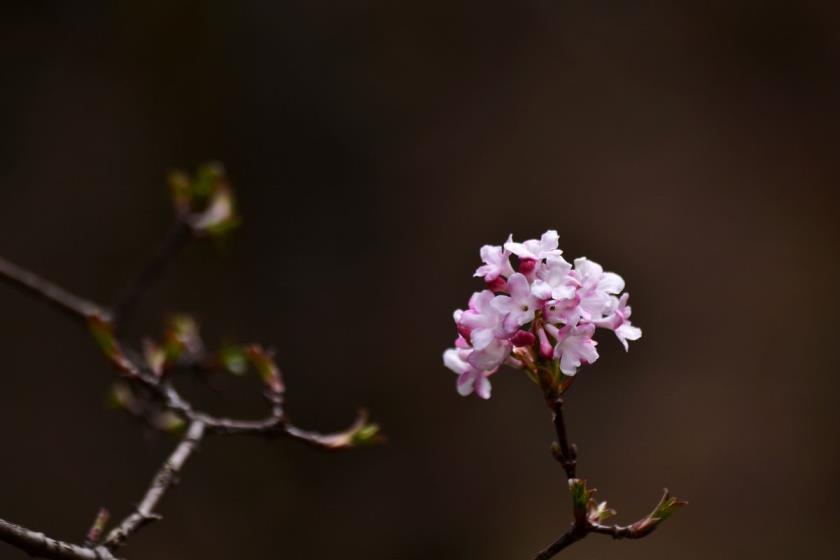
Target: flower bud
<point>522,338</point>
<point>546,349</point>
<point>666,506</point>
<point>498,284</point>
<point>267,369</point>
<point>527,266</point>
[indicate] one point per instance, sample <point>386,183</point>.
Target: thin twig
<point>571,536</point>
<point>75,306</point>
<point>275,424</point>
<point>583,525</point>
<point>164,478</point>
<point>176,238</point>
<point>618,531</point>
<point>95,533</point>
<point>41,546</point>
<point>565,452</point>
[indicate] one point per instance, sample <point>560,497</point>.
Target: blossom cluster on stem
<point>540,316</point>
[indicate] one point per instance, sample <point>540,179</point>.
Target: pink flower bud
<point>527,266</point>
<point>498,284</point>
<point>463,330</point>
<point>462,343</point>
<point>546,350</point>
<point>522,338</point>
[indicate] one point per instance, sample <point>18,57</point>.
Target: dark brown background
<point>375,146</point>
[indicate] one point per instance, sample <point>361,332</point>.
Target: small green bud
<point>169,422</point>
<point>206,202</point>
<point>368,434</point>
<point>234,359</point>
<point>155,356</point>
<point>267,369</point>
<point>181,336</point>
<point>122,397</point>
<point>581,496</point>
<point>664,509</point>
<point>103,334</point>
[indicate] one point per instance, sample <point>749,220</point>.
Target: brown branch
<point>564,452</point>
<point>60,298</point>
<point>586,521</point>
<point>176,238</point>
<point>618,531</point>
<point>573,535</point>
<point>165,477</point>
<point>584,526</point>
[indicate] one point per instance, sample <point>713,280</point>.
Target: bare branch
<point>564,452</point>
<point>571,536</point>
<point>164,478</point>
<point>331,442</point>
<point>159,394</point>
<point>585,521</point>
<point>33,284</point>
<point>618,531</point>
<point>41,546</point>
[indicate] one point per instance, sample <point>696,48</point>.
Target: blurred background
<point>375,146</point>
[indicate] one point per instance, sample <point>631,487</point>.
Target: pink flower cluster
<point>546,308</point>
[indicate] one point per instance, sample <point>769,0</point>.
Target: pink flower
<point>520,306</point>
<point>482,319</point>
<point>619,322</point>
<point>491,356</point>
<point>470,379</point>
<point>496,263</point>
<point>554,280</point>
<point>548,312</point>
<point>596,286</point>
<point>574,346</point>
<point>565,311</point>
<point>536,250</point>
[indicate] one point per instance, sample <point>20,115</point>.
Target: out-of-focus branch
<point>150,372</point>
<point>145,512</point>
<point>70,304</point>
<point>136,370</point>
<point>176,238</point>
<point>39,545</point>
<point>94,534</point>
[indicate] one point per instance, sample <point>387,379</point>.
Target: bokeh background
<point>375,146</point>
